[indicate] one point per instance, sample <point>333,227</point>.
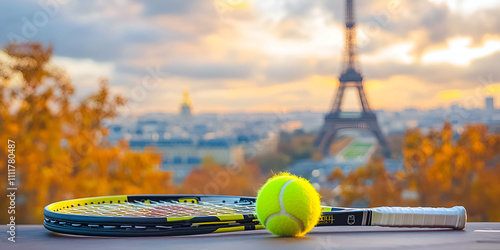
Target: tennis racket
<point>163,215</point>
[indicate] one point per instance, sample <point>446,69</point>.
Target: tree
<point>213,178</point>
<point>61,151</point>
<point>371,183</point>
<point>273,162</point>
<point>447,173</point>
<point>296,146</point>
<point>438,171</point>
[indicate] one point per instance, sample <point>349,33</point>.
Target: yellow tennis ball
<point>288,205</point>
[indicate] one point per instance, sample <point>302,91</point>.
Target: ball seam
<point>283,210</point>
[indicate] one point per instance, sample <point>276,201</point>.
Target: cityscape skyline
<point>185,140</point>
<point>481,102</point>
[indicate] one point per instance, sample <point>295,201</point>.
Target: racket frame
<point>164,226</point>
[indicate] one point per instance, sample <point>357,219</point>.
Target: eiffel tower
<point>350,78</point>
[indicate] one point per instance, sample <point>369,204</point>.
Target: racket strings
<point>160,209</point>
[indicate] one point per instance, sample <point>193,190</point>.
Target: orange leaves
<point>447,133</point>
<point>336,175</point>
<point>439,171</point>
<point>456,169</point>
<point>61,153</point>
<point>372,183</point>
<point>212,178</point>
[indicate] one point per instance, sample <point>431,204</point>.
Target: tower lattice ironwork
<point>350,78</point>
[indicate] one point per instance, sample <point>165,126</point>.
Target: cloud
<point>460,53</point>
<point>210,70</point>
<point>85,73</point>
<point>269,53</point>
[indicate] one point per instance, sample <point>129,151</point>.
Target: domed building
<point>186,105</point>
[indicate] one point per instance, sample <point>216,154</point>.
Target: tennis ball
<point>288,205</point>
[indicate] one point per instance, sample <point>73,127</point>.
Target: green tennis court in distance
<point>357,149</point>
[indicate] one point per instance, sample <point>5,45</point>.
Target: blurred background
<point>214,97</point>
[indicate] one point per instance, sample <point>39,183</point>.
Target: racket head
<point>142,215</point>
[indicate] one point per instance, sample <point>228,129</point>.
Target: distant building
<point>182,155</point>
<point>489,104</point>
<point>186,105</point>
<point>254,145</point>
<point>221,150</point>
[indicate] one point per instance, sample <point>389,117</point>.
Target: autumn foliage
<point>212,178</point>
<point>60,149</point>
<point>438,171</point>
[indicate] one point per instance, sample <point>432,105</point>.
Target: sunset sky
<point>267,55</point>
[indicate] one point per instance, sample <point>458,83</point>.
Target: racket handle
<point>454,217</point>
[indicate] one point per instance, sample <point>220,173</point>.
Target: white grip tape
<point>454,217</point>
